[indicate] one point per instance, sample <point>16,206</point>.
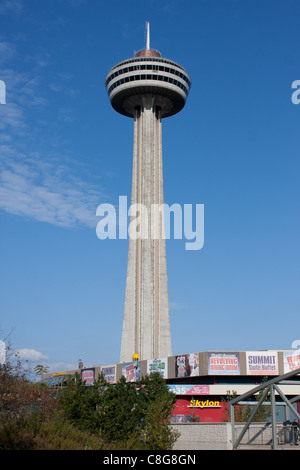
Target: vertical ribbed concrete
<point>146,325</point>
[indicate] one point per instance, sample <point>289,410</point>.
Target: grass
<point>54,433</point>
<point>31,432</point>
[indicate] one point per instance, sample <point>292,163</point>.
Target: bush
<point>157,433</point>
<point>122,416</point>
<point>125,415</point>
<point>119,414</point>
<point>57,433</point>
<point>16,435</point>
<point>80,403</point>
<point>53,433</point>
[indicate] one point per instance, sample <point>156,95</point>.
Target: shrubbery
<point>102,416</point>
<point>124,412</point>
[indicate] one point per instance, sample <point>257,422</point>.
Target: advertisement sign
<point>262,362</point>
<point>189,389</point>
<point>158,365</point>
<point>204,404</point>
<point>109,373</point>
<point>291,360</point>
<point>180,419</point>
<point>222,363</point>
<point>131,371</point>
<point>88,376</point>
<point>187,365</point>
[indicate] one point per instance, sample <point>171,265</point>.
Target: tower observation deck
<point>147,88</point>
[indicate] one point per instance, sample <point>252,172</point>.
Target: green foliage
<point>16,434</point>
<point>243,412</point>
<point>120,415</point>
<point>57,433</point>
<point>153,387</point>
<point>157,433</point>
<point>133,413</point>
<point>80,403</point>
<point>194,418</point>
<point>39,369</point>
<point>102,416</point>
<point>157,402</point>
<point>19,397</point>
<point>52,433</point>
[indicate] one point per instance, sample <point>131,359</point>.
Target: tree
<point>19,396</point>
<point>80,403</point>
<point>157,433</point>
<point>119,413</point>
<point>154,388</point>
<point>39,369</point>
<point>156,402</point>
<point>126,411</point>
<point>138,411</point>
<point>243,412</point>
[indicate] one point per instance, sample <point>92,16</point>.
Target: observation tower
<point>147,88</point>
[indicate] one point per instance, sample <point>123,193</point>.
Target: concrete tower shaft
<point>146,325</point>
<point>147,88</point>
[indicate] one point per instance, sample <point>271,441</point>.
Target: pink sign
<point>199,390</point>
<point>189,389</point>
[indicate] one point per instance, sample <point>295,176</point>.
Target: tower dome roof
<point>148,53</point>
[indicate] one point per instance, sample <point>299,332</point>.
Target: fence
<point>218,436</point>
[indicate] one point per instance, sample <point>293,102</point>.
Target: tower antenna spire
<point>147,36</point>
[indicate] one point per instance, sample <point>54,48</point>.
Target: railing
<point>260,434</point>
<point>268,388</point>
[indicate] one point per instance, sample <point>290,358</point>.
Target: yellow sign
<point>204,404</point>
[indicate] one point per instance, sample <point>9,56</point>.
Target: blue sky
<point>64,151</point>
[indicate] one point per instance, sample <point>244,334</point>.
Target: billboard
<point>189,389</point>
<point>187,365</point>
<point>223,363</point>
<point>291,360</point>
<point>131,371</point>
<point>158,365</point>
<point>262,363</point>
<point>109,373</point>
<point>88,376</point>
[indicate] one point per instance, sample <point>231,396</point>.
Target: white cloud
<point>34,184</point>
<point>40,188</point>
<point>7,51</point>
<point>10,6</point>
<point>62,366</point>
<point>31,355</point>
<point>177,306</point>
<point>12,118</point>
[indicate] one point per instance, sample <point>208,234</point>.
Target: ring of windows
<point>153,67</point>
<point>159,78</point>
<point>147,59</point>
